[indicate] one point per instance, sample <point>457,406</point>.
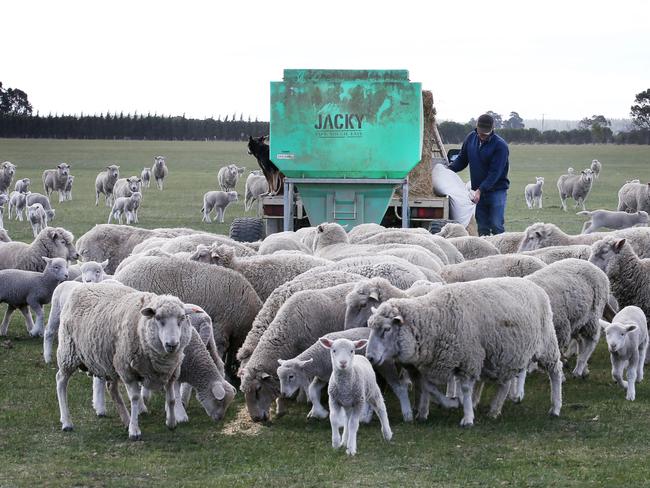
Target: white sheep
<point>89,272</point>
<point>105,182</point>
<point>56,180</point>
<point>128,206</point>
<point>612,220</point>
<point>124,187</point>
<point>634,196</point>
<point>52,242</point>
<point>22,186</point>
<point>33,198</point>
<point>627,341</point>
<point>533,192</point>
<point>472,247</point>
<point>352,386</point>
<point>557,253</point>
<point>228,176</point>
<point>17,204</point>
<point>499,265</point>
<point>576,187</point>
<point>119,334</point>
<point>37,217</point>
<point>256,186</point>
<point>218,200</point>
<point>159,171</point>
<point>596,167</point>
<point>145,176</point>
<point>283,241</point>
<point>67,193</point>
<point>452,229</point>
<point>7,172</point>
<point>4,198</point>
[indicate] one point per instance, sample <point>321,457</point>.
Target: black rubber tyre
<point>437,225</point>
<point>247,229</point>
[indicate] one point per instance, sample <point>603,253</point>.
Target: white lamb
<point>17,203</point>
<point>218,200</point>
<point>627,340</point>
<point>352,385</point>
<point>128,206</point>
<point>596,167</point>
<point>37,218</point>
<point>612,220</point>
<point>533,192</point>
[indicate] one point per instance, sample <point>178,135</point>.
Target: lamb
<point>472,247</point>
<point>4,198</point>
<point>634,196</point>
<point>578,292</point>
<point>88,272</point>
<point>228,176</point>
<point>67,192</point>
<point>596,167</point>
<point>105,182</point>
<point>4,236</point>
<point>303,318</point>
<point>265,273</point>
<point>52,242</point>
<point>17,203</point>
<point>23,289</point>
<point>627,341</point>
<point>452,229</point>
<point>56,180</point>
<point>119,334</point>
<point>256,186</point>
<point>7,172</point>
<point>352,386</point>
<point>556,253</point>
<point>145,176</point>
<point>629,276</point>
<point>491,328</point>
<point>576,187</point>
<point>612,220</point>
<point>125,187</point>
<point>22,186</point>
<point>499,265</point>
<point>533,192</point>
<point>37,217</point>
<point>224,294</point>
<point>33,198</point>
<point>159,171</point>
<point>218,200</point>
<point>507,242</point>
<point>126,205</point>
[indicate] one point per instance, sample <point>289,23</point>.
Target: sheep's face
<point>9,169</point>
<point>93,272</point>
<point>136,197</point>
<point>359,303</point>
<point>292,376</point>
<point>146,173</point>
<point>70,181</point>
<point>643,217</point>
<point>221,255</point>
<point>113,171</point>
<point>133,183</point>
<point>539,180</point>
<point>56,267</point>
<point>617,334</point>
<point>202,254</point>
<point>216,398</point>
<point>4,198</point>
<point>329,233</point>
<point>587,176</point>
<point>63,169</point>
<point>232,196</point>
<point>169,322</point>
<point>535,237</point>
<point>384,323</point>
<point>54,242</point>
<point>342,351</point>
<point>34,210</point>
<point>605,251</point>
<point>260,392</point>
<point>160,162</point>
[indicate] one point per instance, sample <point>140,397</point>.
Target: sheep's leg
<point>99,396</point>
<point>617,371</point>
<point>379,407</point>
<point>29,323</point>
<point>186,394</point>
<point>585,349</point>
<point>313,393</point>
<point>62,378</point>
<point>467,388</point>
<point>519,383</point>
<point>643,349</point>
<point>5,321</point>
<point>280,406</point>
<point>221,212</point>
<point>337,420</point>
<point>478,391</point>
<point>441,399</point>
<point>96,198</point>
<point>37,329</point>
<point>556,376</point>
<point>631,377</point>
<point>170,404</point>
<point>350,432</point>
<point>133,389</point>
<point>180,413</point>
<point>145,396</point>
<point>113,390</point>
<point>389,372</point>
<point>452,384</point>
<point>499,399</point>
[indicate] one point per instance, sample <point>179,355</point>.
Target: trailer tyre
<point>247,229</point>
<point>437,225</point>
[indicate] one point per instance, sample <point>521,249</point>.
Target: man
<point>487,156</point>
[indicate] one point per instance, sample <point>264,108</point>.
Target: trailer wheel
<point>247,229</point>
<point>437,225</point>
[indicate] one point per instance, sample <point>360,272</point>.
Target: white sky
<point>565,59</point>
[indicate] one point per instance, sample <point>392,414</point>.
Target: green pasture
<point>600,439</point>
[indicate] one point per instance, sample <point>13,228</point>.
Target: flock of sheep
<point>183,311</point>
<point>633,199</point>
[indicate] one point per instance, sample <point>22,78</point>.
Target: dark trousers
<point>490,212</point>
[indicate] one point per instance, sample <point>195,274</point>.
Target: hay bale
<point>420,183</point>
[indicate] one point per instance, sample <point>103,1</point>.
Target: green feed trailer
<point>345,139</point>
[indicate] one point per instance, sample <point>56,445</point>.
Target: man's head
<point>484,126</point>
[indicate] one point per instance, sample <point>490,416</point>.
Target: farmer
<point>487,156</point>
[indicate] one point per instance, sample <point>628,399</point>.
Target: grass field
<point>600,439</point>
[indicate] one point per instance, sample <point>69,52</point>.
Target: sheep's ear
<point>46,259</point>
<point>373,309</point>
<point>148,312</point>
<point>618,245</point>
<point>360,344</point>
<point>374,295</point>
<point>603,324</point>
<point>190,309</point>
<point>281,361</point>
<point>218,391</point>
<point>630,328</point>
<point>320,228</point>
<point>265,376</point>
<point>398,320</point>
<point>103,264</point>
<point>539,234</point>
<point>304,363</point>
<point>53,234</point>
<point>325,342</point>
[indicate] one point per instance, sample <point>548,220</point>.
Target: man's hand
<point>477,196</point>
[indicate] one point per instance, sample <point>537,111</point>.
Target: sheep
<point>145,176</point>
<point>119,334</point>
<point>303,318</point>
<point>224,294</point>
<point>189,243</point>
<point>67,193</point>
<point>88,272</point>
<point>399,272</point>
<point>124,187</point>
<point>452,229</point>
<point>4,198</point>
<point>228,176</point>
<point>33,198</point>
<point>256,186</point>
<point>576,187</point>
<point>612,220</point>
<point>265,273</point>
<point>629,276</point>
<point>472,247</point>
<point>545,235</point>
<point>37,217</point>
<point>634,196</point>
<point>105,182</point>
<point>627,341</point>
<point>533,192</point>
<point>596,167</point>
<point>352,386</point>
<point>499,265</point>
<point>4,236</point>
<point>126,205</point>
<point>51,242</point>
<point>507,242</point>
<point>159,171</point>
<point>362,231</point>
<point>556,253</point>
<point>578,292</point>
<point>218,200</point>
<point>283,241</point>
<point>56,180</point>
<point>23,289</point>
<point>22,186</point>
<point>491,328</point>
<point>424,239</point>
<point>17,203</point>
<point>7,172</point>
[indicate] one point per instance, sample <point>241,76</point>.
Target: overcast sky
<point>564,59</point>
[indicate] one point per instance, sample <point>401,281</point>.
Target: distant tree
<point>14,102</point>
<point>640,111</point>
<point>498,120</point>
<point>514,122</point>
<point>594,120</point>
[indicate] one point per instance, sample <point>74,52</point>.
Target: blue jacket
<point>488,162</point>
